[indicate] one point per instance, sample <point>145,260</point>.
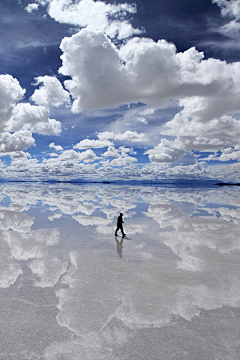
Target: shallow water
<point>70,290</point>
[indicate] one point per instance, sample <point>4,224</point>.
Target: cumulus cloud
<point>111,152</point>
<point>55,147</point>
<point>80,156</point>
<point>69,155</point>
<point>128,135</point>
<point>94,144</point>
<point>34,118</point>
<point>17,141</point>
<point>94,65</point>
<point>104,75</point>
<point>142,115</point>
<point>50,93</point>
<point>121,151</point>
<point>208,88</point>
<point>19,120</point>
<point>10,93</point>
<point>166,151</point>
<point>121,156</point>
<point>96,15</point>
<point>202,132</point>
<point>31,7</point>
<point>144,71</point>
<point>123,160</point>
<point>227,156</point>
<point>17,154</point>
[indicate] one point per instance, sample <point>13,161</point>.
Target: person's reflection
<point>119,246</point>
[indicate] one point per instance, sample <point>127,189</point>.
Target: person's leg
<point>121,228</point>
<point>116,231</point>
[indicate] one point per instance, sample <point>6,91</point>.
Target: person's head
<point>121,214</point>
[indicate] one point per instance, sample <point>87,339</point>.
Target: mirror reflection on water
<point>70,289</point>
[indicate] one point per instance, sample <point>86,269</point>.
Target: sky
<point>145,90</point>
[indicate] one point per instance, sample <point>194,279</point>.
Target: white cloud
<point>202,126</point>
<point>69,155</point>
<point>18,118</point>
<point>230,9</point>
<point>105,76</point>
<point>94,144</point>
<point>87,156</point>
<point>145,71</point>
<point>51,127</point>
<point>10,93</point>
<point>79,156</point>
<point>121,151</point>
<point>50,93</point>
<point>131,136</point>
<point>55,147</point>
<point>96,15</point>
<point>16,154</point>
<point>100,80</point>
<point>146,112</point>
<point>166,151</point>
<point>123,161</point>
<point>34,118</point>
<point>225,156</point>
<point>31,7</point>
<point>128,135</point>
<point>140,70</point>
<point>141,119</point>
<point>106,135</point>
<point>111,152</point>
<point>143,114</point>
<point>121,30</point>
<point>121,156</point>
<point>53,155</point>
<point>93,63</point>
<point>17,141</point>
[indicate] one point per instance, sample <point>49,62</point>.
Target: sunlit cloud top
<point>98,93</point>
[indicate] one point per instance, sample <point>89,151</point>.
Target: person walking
<point>120,225</point>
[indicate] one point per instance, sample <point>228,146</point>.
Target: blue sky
<point>99,90</point>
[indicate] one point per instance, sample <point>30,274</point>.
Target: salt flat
<point>70,290</point>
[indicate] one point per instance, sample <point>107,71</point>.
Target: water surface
<point>70,290</point>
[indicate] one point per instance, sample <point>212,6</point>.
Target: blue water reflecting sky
<point>69,289</point>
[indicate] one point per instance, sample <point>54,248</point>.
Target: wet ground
<point>69,289</point>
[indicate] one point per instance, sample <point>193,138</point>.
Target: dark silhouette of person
<point>120,225</point>
<point>119,246</point>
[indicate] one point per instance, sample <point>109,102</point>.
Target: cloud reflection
<point>182,259</point>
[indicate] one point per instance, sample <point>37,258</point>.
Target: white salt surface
<point>70,290</point>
